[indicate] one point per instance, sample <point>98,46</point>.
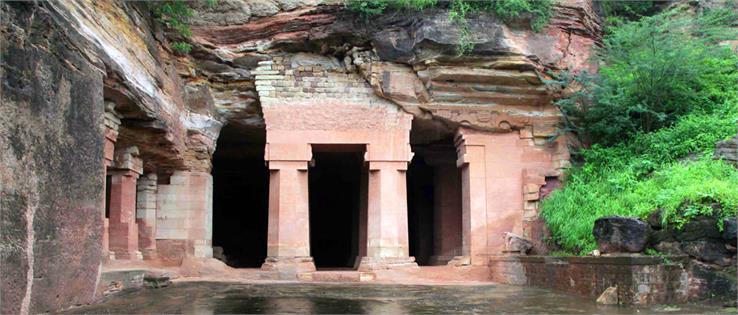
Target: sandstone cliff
<point>63,60</point>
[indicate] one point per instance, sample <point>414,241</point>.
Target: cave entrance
<point>240,197</point>
<point>433,195</point>
<point>335,192</point>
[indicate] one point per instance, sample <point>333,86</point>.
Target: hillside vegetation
<point>666,92</point>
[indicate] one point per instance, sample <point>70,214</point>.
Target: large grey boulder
<point>620,234</point>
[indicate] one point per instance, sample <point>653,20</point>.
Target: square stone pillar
<point>146,205</point>
<point>288,238</point>
<point>123,231</point>
<point>472,161</point>
<point>387,230</point>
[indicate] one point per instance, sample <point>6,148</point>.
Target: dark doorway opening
<point>433,195</point>
<point>240,197</point>
<point>335,189</point>
<point>420,210</point>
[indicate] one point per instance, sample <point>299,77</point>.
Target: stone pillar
<point>447,240</point>
<point>387,231</point>
<point>122,227</point>
<point>288,237</point>
<point>146,215</point>
<point>112,124</point>
<point>363,203</point>
<point>472,161</point>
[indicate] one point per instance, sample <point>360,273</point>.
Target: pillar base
<point>135,255</point>
<point>459,261</point>
<point>383,263</point>
<point>287,268</point>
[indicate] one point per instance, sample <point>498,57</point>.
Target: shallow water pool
<point>223,298</point>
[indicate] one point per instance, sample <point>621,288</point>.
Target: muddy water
<point>222,298</point>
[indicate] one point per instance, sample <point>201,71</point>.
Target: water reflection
<point>223,298</point>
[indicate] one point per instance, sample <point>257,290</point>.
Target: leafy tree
<point>654,71</point>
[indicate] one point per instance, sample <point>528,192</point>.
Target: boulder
<point>699,228</point>
<point>517,244</point>
<point>655,220</point>
<point>669,248</point>
<point>708,251</point>
<point>609,296</point>
<point>620,234</point>
<point>156,280</point>
<point>728,151</point>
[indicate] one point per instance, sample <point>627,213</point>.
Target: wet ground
<point>224,298</point>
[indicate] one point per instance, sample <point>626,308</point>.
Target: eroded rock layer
<point>91,88</point>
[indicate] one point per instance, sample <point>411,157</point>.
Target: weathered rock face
<point>52,166</point>
<point>699,238</point>
<point>410,58</point>
<point>620,234</point>
<point>143,82</point>
<point>86,54</point>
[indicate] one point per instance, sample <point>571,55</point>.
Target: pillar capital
<point>128,159</point>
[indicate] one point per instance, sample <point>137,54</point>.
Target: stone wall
<point>639,280</point>
<point>185,213</point>
<point>51,165</point>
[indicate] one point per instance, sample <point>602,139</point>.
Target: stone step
<point>337,276</point>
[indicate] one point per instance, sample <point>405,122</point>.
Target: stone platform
<point>337,276</point>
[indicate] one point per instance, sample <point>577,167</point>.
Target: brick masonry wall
<point>277,80</point>
<point>640,280</point>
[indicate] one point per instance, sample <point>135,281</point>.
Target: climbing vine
<point>538,12</point>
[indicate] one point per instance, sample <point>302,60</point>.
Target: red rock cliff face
<point>172,107</point>
<point>410,58</point>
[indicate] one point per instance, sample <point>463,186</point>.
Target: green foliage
<point>654,71</point>
<point>539,12</point>
<point>175,14</point>
<point>618,12</point>
<point>369,8</point>
<point>665,94</point>
<point>652,171</point>
<point>181,47</point>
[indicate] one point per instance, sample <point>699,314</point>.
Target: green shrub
<point>619,12</point>
<point>175,15</point>
<point>670,170</point>
<point>654,71</point>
